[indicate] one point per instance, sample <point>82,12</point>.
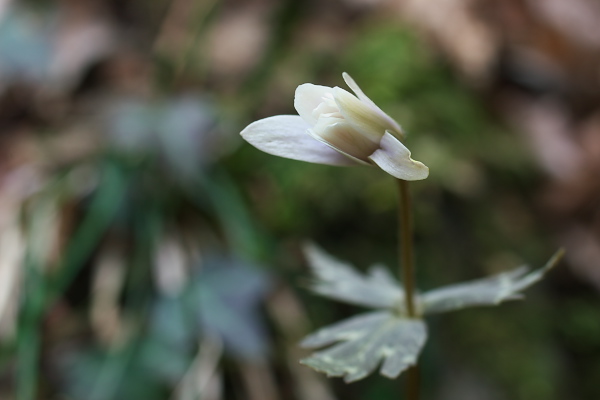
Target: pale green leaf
<point>340,281</point>
<point>358,345</point>
<point>361,343</point>
<point>484,292</point>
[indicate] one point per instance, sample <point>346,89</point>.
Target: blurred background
<point>146,252</point>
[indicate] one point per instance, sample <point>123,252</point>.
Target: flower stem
<point>407,273</point>
<point>406,248</point>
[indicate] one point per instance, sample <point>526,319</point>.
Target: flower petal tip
<point>394,158</point>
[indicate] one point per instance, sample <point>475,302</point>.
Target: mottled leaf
<point>340,281</point>
<point>361,343</point>
<point>40,49</point>
<point>484,292</point>
<point>227,295</point>
<point>170,322</point>
<point>31,36</point>
<point>181,131</point>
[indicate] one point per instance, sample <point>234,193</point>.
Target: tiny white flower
<point>336,127</point>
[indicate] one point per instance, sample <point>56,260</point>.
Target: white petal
<point>394,158</point>
<point>341,136</point>
<point>393,126</point>
<point>357,90</point>
<point>307,98</point>
<point>360,115</point>
<point>286,136</point>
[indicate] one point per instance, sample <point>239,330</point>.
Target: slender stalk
<point>407,272</point>
<point>413,381</point>
<point>406,248</point>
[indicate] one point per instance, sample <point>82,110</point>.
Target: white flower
<point>336,128</point>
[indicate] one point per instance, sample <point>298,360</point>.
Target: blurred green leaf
<point>113,375</point>
<point>227,295</point>
<point>104,206</point>
<point>221,195</point>
<point>23,31</point>
<point>181,132</point>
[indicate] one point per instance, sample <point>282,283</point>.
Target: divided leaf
<point>484,292</point>
<point>358,345</point>
<point>340,281</point>
<point>227,294</point>
<point>361,343</point>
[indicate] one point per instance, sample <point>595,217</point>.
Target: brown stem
<point>406,248</point>
<point>407,272</point>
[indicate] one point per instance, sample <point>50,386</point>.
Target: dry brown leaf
<point>453,24</point>
<point>80,41</point>
<point>12,249</point>
<point>15,187</point>
<point>203,379</point>
<point>576,19</point>
<point>259,380</point>
<point>583,253</point>
<point>288,314</point>
<point>179,28</point>
<point>171,266</point>
<point>107,284</point>
<point>238,40</point>
<point>550,133</point>
<point>4,5</point>
<point>589,136</point>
